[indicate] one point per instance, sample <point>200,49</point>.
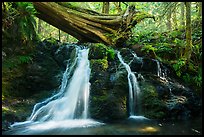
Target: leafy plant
<point>26,19</point>
<point>13,62</point>
<point>179,42</point>
<point>186,78</point>
<point>147,48</point>
<point>178,66</point>
<point>24,59</point>
<point>111,54</point>
<point>198,80</point>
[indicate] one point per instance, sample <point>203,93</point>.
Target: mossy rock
<point>108,100</point>
<point>101,51</point>
<point>97,51</point>
<point>126,54</point>
<point>108,107</point>
<point>152,106</point>
<point>63,54</point>
<point>111,54</point>
<point>99,64</point>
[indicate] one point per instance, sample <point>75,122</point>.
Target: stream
<point>123,127</point>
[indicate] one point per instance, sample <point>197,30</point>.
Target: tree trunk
<point>90,26</point>
<point>169,26</point>
<point>182,13</point>
<point>188,49</point>
<point>175,19</point>
<point>118,6</point>
<point>200,9</point>
<point>105,8</point>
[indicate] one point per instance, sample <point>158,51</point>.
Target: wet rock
<point>63,54</point>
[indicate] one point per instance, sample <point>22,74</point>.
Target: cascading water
<point>160,74</point>
<point>69,107</point>
<point>134,89</point>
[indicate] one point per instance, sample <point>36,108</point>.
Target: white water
<point>134,89</point>
<point>69,107</point>
<point>160,74</point>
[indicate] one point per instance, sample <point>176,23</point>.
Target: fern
<point>187,78</point>
<point>16,60</point>
<point>198,80</point>
<point>111,54</point>
<point>148,48</point>
<point>27,23</point>
<point>178,66</point>
<point>24,59</point>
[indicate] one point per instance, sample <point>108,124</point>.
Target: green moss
<point>101,64</point>
<point>142,15</point>
<point>108,107</point>
<point>111,54</point>
<point>97,51</point>
<point>101,51</point>
<point>152,106</point>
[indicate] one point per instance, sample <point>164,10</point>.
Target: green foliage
<point>111,54</point>
<point>164,48</point>
<point>26,8</point>
<point>103,52</point>
<point>26,20</point>
<point>12,69</point>
<point>13,62</point>
<point>198,79</point>
<point>175,34</point>
<point>147,48</point>
<point>187,78</point>
<point>170,46</point>
<point>101,64</point>
<point>24,59</point>
<point>194,80</point>
<point>19,21</point>
<point>178,42</point>
<point>178,66</point>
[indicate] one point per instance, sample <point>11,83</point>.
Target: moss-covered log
<point>90,26</point>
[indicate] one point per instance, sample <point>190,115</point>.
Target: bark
<point>175,19</point>
<point>87,25</point>
<point>182,13</point>
<point>105,8</point>
<point>200,9</point>
<point>188,48</point>
<point>169,25</point>
<point>118,6</point>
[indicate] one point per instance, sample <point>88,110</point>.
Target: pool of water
<point>131,126</point>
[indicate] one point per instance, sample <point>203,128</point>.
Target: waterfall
<point>75,94</point>
<point>70,103</point>
<point>160,74</point>
<point>134,89</point>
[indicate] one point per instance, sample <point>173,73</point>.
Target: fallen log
<point>90,26</point>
